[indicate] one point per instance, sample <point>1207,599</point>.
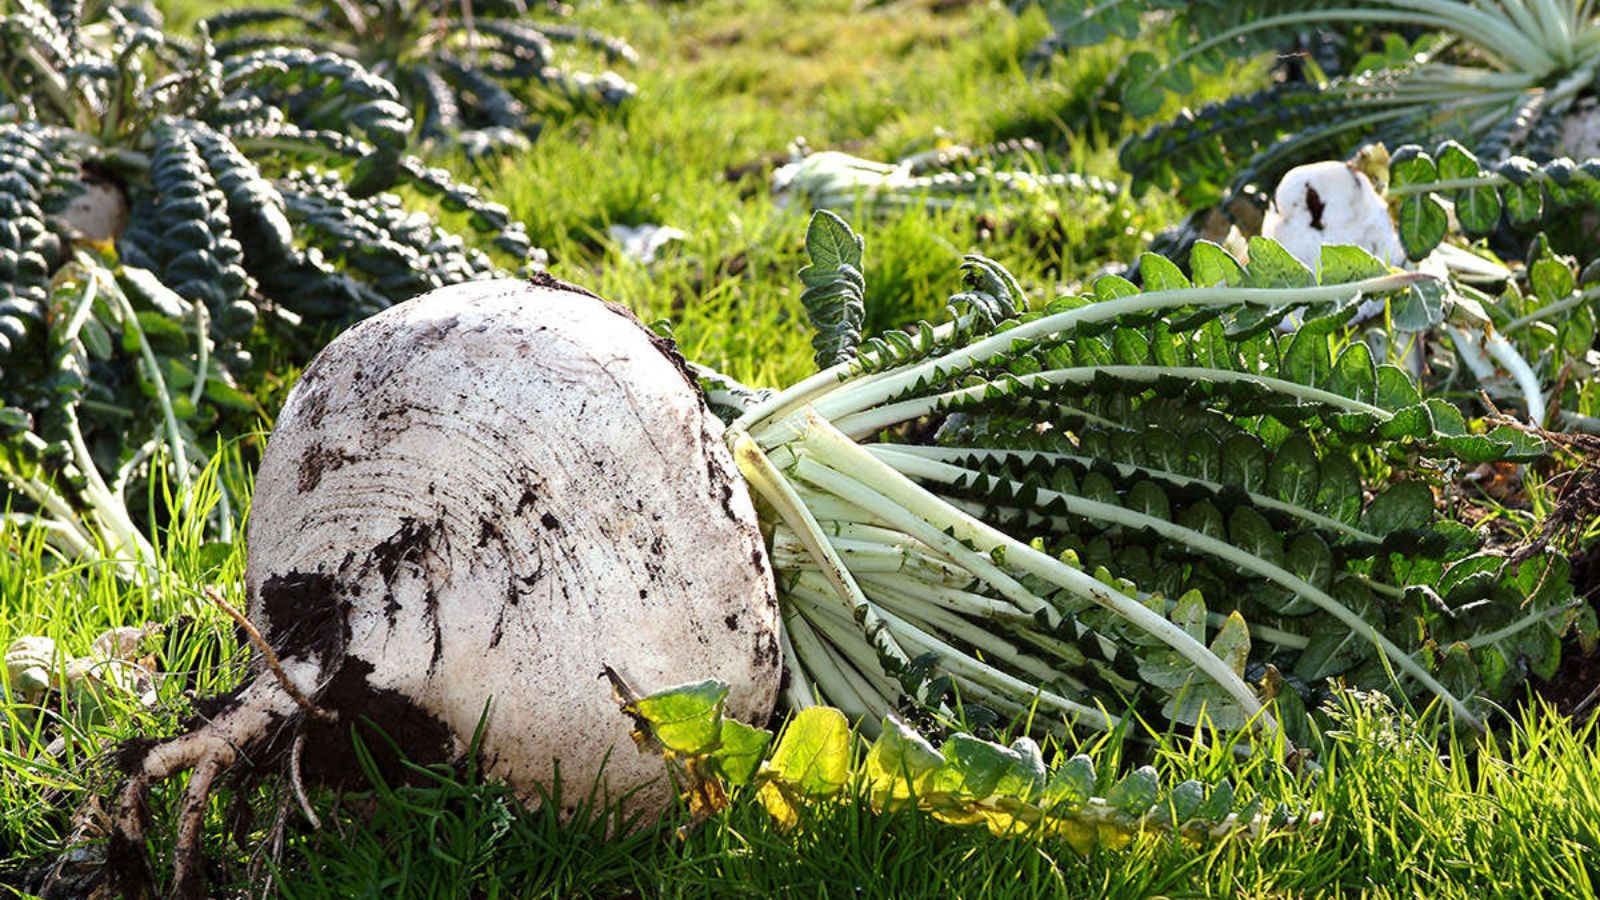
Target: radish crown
<point>1148,499</point>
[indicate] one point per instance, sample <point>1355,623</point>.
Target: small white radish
<point>471,506</point>
<point>1331,203</point>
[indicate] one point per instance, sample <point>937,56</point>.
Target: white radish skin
<point>490,494</point>
<point>1331,203</point>
<point>574,508</point>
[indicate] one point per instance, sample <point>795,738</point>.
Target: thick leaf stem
<point>892,489</point>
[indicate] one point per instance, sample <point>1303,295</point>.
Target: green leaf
<point>1551,279</point>
<point>1190,615</point>
<point>1232,643</point>
<point>1411,166</point>
<point>1136,792</point>
<point>1142,96</point>
<point>1344,263</point>
<point>1271,266</point>
<point>813,755</point>
<point>1419,307</point>
<point>831,243</point>
<point>1309,359</point>
<point>1309,558</point>
<point>1214,266</point>
<point>1294,473</point>
<point>1161,274</point>
<point>1251,533</point>
<point>1405,506</point>
<point>1422,223</point>
<point>899,760</point>
<point>1335,650</point>
<point>1244,462</point>
<point>834,297</point>
<point>1071,784</point>
<point>1477,209</point>
<point>686,719</point>
<point>740,753</point>
<point>976,765</point>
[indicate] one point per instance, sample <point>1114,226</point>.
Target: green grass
<point>1410,809</point>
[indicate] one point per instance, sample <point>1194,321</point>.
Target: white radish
<point>1331,203</point>
<point>479,501</point>
<point>1334,203</point>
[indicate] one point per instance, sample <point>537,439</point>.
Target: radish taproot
<point>487,495</point>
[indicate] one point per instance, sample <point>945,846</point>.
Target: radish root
<point>243,731</point>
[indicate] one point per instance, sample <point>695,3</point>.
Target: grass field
<point>1408,807</point>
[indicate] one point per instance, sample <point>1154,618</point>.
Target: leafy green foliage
<point>957,177</point>
<point>834,288</point>
<point>168,215</point>
<point>966,781</point>
<point>1499,77</point>
<point>475,75</point>
<point>1522,190</point>
<point>1078,505</point>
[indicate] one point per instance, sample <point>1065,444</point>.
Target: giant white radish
<point>474,503</point>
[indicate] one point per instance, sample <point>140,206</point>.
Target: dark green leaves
<point>1523,190</point>
<point>1422,220</point>
<point>479,81</point>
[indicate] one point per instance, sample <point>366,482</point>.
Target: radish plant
<point>1525,333</point>
<point>165,215</point>
<point>478,74</point>
<point>951,178</point>
<point>1135,492</point>
<point>1503,78</point>
<point>1136,500</point>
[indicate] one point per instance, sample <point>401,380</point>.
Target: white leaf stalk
<point>831,179</point>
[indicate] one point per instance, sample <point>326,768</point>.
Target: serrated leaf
<point>1213,266</point>
<point>830,242</point>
